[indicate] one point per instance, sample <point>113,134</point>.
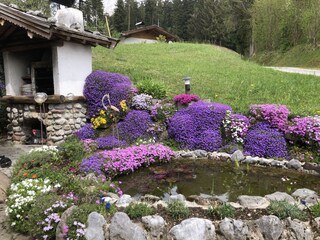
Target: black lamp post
<point>187,84</point>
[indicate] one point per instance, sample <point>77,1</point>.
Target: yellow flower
<point>123,105</point>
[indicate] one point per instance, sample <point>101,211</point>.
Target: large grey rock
<point>60,235</point>
<point>155,224</point>
<point>177,197</point>
<point>95,223</point>
<point>193,229</point>
<point>237,156</point>
<point>253,202</point>
<point>4,185</point>
<point>122,228</point>
<point>200,153</point>
<point>270,226</point>
<point>298,230</point>
<point>280,196</point>
<point>303,193</point>
<point>294,164</point>
<point>124,201</point>
<point>233,229</point>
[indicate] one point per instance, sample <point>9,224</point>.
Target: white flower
<point>13,224</point>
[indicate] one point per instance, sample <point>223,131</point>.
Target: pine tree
<point>119,17</point>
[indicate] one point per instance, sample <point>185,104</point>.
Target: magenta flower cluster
<point>185,99</point>
<point>276,115</point>
<point>120,161</point>
<point>198,126</point>
<point>306,129</point>
<point>99,83</point>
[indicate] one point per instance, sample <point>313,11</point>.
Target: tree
<point>119,17</point>
<point>43,6</point>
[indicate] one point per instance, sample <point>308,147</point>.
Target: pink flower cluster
<point>119,161</point>
<point>308,128</point>
<point>276,115</point>
<point>236,126</point>
<point>185,98</point>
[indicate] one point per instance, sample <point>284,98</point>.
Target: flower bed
<point>119,161</point>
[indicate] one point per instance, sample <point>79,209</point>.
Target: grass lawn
<point>217,74</point>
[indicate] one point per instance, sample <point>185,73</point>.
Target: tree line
<point>242,25</point>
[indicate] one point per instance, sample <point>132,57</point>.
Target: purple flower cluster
<point>135,125</point>
<point>263,140</point>
<point>119,161</point>
<point>142,102</point>
<point>185,98</point>
<point>99,83</point>
<point>236,126</point>
<point>276,115</point>
<point>85,132</point>
<point>188,126</point>
<point>307,128</point>
<point>110,142</point>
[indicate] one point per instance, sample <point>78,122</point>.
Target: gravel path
<point>12,151</point>
<point>305,71</point>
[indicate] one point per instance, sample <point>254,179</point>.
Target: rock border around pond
<point>309,168</point>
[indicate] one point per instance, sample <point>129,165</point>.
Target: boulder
<point>253,202</point>
<point>280,196</point>
<point>270,227</point>
<point>303,193</point>
<point>294,164</point>
<point>298,230</point>
<point>95,223</point>
<point>201,153</point>
<point>155,225</point>
<point>124,201</point>
<point>4,185</point>
<point>193,229</point>
<point>237,156</point>
<point>233,229</point>
<point>60,233</point>
<point>122,228</point>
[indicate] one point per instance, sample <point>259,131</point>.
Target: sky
<point>109,5</point>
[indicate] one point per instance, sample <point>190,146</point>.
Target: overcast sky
<point>109,5</point>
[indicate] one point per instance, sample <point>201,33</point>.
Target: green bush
<point>72,149</point>
<point>177,210</point>
<point>283,209</point>
<point>315,210</point>
<point>155,89</point>
<point>138,210</point>
<point>221,211</point>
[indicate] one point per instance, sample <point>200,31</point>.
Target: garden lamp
<point>187,84</point>
<point>40,98</point>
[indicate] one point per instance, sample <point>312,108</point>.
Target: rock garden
<point>92,185</point>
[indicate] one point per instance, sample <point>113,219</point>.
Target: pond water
<point>193,177</point>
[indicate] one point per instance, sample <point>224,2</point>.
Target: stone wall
<point>60,121</point>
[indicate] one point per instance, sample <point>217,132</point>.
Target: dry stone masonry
<point>59,120</point>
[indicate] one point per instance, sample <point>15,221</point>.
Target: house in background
<point>51,56</point>
<point>146,34</point>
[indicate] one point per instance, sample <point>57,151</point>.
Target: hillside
<point>304,56</point>
<point>217,74</point>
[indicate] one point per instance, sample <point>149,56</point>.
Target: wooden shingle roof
<point>15,24</point>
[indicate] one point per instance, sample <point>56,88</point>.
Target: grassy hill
<point>217,74</point>
<point>304,56</point>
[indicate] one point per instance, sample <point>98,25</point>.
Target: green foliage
<point>138,210</point>
<point>165,112</point>
<point>44,6</point>
<point>315,210</point>
<point>221,211</point>
<point>177,210</point>
<point>72,149</point>
<point>283,209</point>
<point>217,74</point>
<point>150,87</point>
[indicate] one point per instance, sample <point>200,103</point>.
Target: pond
<point>192,177</point>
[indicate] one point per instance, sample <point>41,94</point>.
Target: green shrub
<point>72,149</point>
<point>315,210</point>
<point>283,209</point>
<point>155,89</point>
<point>177,210</point>
<point>138,210</point>
<point>221,211</point>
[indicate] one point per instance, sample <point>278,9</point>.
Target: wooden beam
<point>51,99</point>
<point>8,32</point>
<point>23,46</point>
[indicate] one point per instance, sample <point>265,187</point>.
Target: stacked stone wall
<point>60,121</point>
